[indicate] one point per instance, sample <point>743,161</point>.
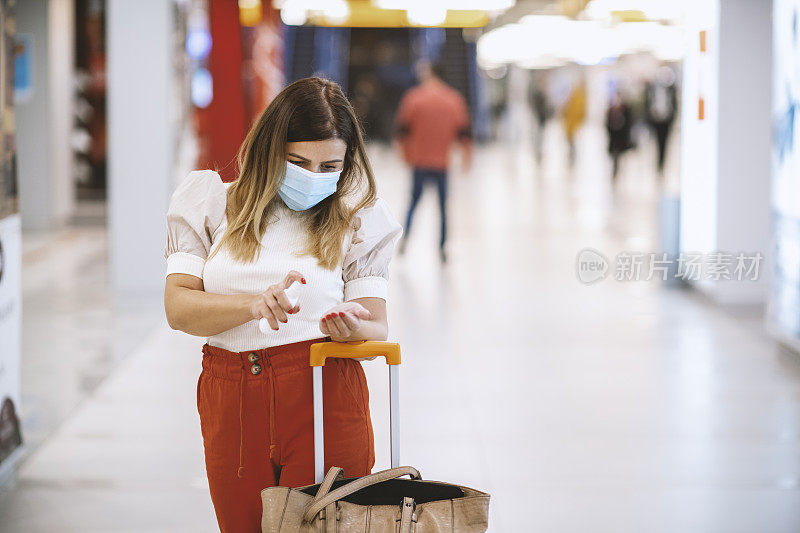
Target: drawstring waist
<point>253,365</point>
<point>271,382</point>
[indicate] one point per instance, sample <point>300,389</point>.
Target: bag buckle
<point>408,514</point>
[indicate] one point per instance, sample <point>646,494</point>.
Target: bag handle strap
<point>379,477</point>
<point>333,474</point>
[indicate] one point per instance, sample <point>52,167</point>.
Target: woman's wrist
<point>247,307</point>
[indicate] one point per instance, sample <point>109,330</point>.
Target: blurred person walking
<point>619,121</point>
<point>542,111</point>
<point>432,116</point>
<point>232,251</point>
<point>573,114</point>
<point>661,107</point>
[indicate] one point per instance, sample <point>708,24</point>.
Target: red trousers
<point>256,416</point>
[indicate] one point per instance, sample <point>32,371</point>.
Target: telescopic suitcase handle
<point>353,350</point>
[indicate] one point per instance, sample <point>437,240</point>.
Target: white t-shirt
<point>196,222</point>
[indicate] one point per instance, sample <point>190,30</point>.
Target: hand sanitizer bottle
<point>293,294</point>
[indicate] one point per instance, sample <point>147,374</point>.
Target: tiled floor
<point>618,407</point>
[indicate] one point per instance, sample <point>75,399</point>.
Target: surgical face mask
<point>302,189</point>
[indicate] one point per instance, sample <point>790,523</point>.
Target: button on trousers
<point>256,417</point>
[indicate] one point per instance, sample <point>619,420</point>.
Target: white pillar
<point>62,95</point>
<point>745,133</point>
<point>725,184</point>
<point>44,120</point>
<point>141,140</point>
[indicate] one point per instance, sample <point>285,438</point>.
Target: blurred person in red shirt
<point>432,116</point>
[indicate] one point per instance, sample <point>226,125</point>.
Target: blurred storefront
<point>10,245</point>
<point>89,137</point>
<point>784,309</point>
<point>236,61</point>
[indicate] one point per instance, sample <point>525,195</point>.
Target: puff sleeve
<point>196,210</point>
<point>365,269</point>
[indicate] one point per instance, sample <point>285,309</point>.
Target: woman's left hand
<point>342,321</point>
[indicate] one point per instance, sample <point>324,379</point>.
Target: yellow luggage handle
<point>320,351</point>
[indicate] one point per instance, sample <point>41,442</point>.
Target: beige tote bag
<point>376,503</point>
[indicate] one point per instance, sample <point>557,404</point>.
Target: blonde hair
<point>311,109</point>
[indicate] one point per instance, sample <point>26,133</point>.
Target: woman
<point>232,250</point>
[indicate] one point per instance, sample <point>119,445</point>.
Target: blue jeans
<point>421,177</point>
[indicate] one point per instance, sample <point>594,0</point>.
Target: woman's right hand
<point>273,304</point>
